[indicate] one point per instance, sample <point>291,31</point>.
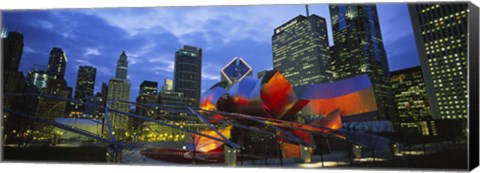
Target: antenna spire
<point>306,8</point>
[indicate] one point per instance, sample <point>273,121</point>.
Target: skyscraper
<point>411,99</point>
<point>300,50</point>
<point>188,74</point>
<point>85,82</point>
<point>119,89</point>
<point>441,36</point>
<point>235,70</point>
<point>12,51</point>
<point>359,49</point>
<point>57,63</point>
<point>13,82</point>
<point>85,85</point>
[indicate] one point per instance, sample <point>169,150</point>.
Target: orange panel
<point>290,150</point>
<point>359,102</point>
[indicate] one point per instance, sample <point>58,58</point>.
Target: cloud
<point>105,71</point>
<point>229,22</point>
<point>91,51</point>
<point>28,49</point>
<point>210,76</point>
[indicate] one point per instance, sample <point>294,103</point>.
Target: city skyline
<point>151,47</point>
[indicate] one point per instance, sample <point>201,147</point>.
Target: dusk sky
<point>150,37</point>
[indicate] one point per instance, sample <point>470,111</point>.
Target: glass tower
<point>57,63</point>
<point>300,50</point>
<point>359,49</point>
<point>188,74</point>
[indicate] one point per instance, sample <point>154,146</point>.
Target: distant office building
<point>168,85</point>
<point>148,88</point>
<point>262,73</point>
<point>85,82</point>
<point>38,77</point>
<point>441,36</point>
<point>235,70</point>
<point>169,97</point>
<point>147,95</point>
<point>12,51</point>
<point>359,49</point>
<point>411,99</point>
<point>300,50</point>
<point>57,63</point>
<point>188,74</point>
<point>119,89</point>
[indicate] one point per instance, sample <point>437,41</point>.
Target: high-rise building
<point>235,70</point>
<point>38,77</point>
<point>441,35</point>
<point>57,63</point>
<point>85,82</point>
<point>12,51</point>
<point>85,85</point>
<point>300,50</point>
<point>411,99</point>
<point>13,82</point>
<point>169,97</point>
<point>119,89</point>
<point>359,49</point>
<point>188,74</point>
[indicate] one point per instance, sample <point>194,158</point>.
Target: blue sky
<point>150,37</point>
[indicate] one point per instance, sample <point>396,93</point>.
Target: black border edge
<point>473,95</point>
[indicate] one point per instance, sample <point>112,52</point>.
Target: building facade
<point>441,36</point>
<point>359,50</point>
<point>411,99</point>
<point>300,50</point>
<point>188,74</point>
